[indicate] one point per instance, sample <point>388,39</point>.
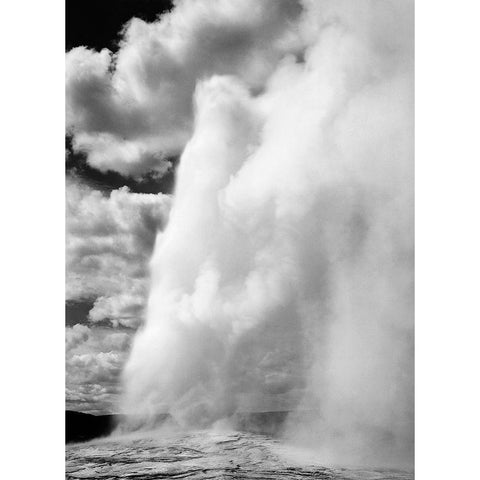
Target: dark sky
<point>77,311</point>
<point>96,23</point>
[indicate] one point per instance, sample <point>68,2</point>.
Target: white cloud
<point>124,308</point>
<point>75,336</point>
<point>92,398</point>
<point>101,367</point>
<point>118,341</point>
<point>130,109</point>
<point>109,239</point>
<point>94,359</point>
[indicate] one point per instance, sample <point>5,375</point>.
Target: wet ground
<point>202,455</point>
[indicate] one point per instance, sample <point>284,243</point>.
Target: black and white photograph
<point>239,239</point>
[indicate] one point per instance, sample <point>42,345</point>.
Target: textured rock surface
<point>202,455</point>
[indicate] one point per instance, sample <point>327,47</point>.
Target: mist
<point>284,277</point>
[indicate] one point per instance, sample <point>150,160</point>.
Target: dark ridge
<point>80,427</point>
<point>97,23</point>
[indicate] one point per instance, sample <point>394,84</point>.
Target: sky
<point>111,221</point>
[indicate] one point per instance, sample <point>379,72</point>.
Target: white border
<point>447,239</point>
<point>32,239</point>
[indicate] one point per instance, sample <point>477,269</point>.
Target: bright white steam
<point>284,279</point>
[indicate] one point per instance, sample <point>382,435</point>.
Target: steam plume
<point>284,278</point>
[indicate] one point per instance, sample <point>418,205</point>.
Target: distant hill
<point>81,427</point>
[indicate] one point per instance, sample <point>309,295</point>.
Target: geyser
<point>284,278</point>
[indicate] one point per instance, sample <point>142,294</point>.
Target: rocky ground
<point>201,455</point>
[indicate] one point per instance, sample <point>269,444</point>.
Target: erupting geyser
<point>284,278</point>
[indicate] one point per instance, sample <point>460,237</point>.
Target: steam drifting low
<point>284,278</point>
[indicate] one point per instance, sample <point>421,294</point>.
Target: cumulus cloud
<point>94,359</point>
<point>109,239</point>
<point>92,398</point>
<point>75,336</point>
<point>124,308</point>
<point>99,367</point>
<point>118,341</point>
<point>130,110</point>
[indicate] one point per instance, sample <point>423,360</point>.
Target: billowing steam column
<point>284,279</point>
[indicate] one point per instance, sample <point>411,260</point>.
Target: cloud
<point>101,367</point>
<point>118,341</point>
<point>94,359</point>
<point>109,239</point>
<point>75,336</point>
<point>129,111</point>
<point>124,308</point>
<point>92,398</point>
